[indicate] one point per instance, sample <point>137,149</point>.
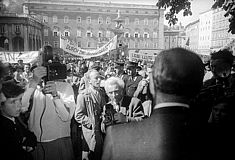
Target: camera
<point>55,70</point>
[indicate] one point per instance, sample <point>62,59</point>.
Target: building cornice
<point>94,4</point>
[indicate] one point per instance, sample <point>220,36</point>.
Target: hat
<point>131,64</point>
<point>118,64</point>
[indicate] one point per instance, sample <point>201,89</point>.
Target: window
<point>108,20</point>
<point>66,19</point>
<point>136,45</point>
<point>108,34</point>
<point>79,44</point>
<point>88,20</point>
<point>54,19</point>
<point>66,33</point>
<point>89,34</point>
<point>2,29</point>
<point>145,21</point>
<point>100,20</point>
<point>136,35</point>
<point>79,33</point>
<point>45,19</point>
<point>154,34</point>
<point>55,33</point>
<point>155,45</point>
<point>126,21</point>
<point>56,44</point>
<point>17,29</point>
<point>45,32</point>
<point>127,35</point>
<point>155,21</point>
<point>79,19</point>
<point>137,22</point>
<point>88,44</point>
<point>99,34</point>
<point>46,43</point>
<point>146,35</point>
<point>146,45</point>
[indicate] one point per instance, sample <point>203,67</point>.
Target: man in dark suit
<point>16,141</point>
<point>176,78</point>
<point>120,108</point>
<point>119,69</point>
<point>133,79</point>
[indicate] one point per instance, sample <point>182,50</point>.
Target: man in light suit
<point>120,109</point>
<point>177,77</point>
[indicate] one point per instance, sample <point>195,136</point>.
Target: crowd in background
<point>70,118</point>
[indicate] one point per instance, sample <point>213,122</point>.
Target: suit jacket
<point>163,136</point>
<point>88,114</point>
<point>132,84</point>
<point>131,107</point>
<point>11,138</point>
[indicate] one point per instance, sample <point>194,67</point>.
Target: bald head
<point>178,71</point>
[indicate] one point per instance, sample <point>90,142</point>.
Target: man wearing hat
<point>119,69</point>
<point>222,83</point>
<point>166,135</point>
<point>133,78</point>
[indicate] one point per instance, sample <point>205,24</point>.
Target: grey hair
<point>89,73</point>
<point>114,81</point>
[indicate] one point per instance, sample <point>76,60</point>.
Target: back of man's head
<point>178,72</point>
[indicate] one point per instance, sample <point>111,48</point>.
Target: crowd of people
<point>119,110</point>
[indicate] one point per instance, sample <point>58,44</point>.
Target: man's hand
<point>50,88</point>
<point>38,73</point>
<point>120,118</point>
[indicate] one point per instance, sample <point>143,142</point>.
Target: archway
<point>4,43</point>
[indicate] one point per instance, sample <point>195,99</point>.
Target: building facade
<point>192,35</point>
<point>220,27</point>
<point>90,24</point>
<point>174,37</point>
<point>205,32</point>
<point>20,32</point>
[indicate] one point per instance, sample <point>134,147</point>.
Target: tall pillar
<point>26,37</point>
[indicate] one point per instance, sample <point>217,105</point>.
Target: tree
<point>176,6</point>
<point>12,6</point>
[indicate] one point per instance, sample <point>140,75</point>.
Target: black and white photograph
<point>117,79</point>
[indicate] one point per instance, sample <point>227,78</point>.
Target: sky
<point>197,6</point>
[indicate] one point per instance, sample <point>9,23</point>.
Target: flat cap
<point>178,71</point>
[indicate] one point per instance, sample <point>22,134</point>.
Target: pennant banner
<point>13,57</point>
<point>71,47</point>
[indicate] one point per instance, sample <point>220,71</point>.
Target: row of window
<point>220,34</point>
<point>2,29</point>
<point>101,34</point>
<point>100,20</point>
<point>204,47</point>
<point>204,38</point>
<point>99,10</point>
<point>90,44</point>
<point>219,43</point>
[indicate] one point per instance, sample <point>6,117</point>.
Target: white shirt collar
<point>170,104</point>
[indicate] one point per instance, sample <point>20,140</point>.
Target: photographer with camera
<point>222,83</point>
<point>51,104</point>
